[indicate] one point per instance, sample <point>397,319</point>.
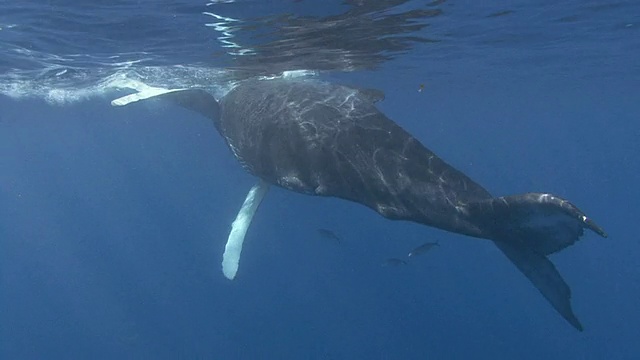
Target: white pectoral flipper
<point>232,250</point>
<point>203,102</point>
<point>144,92</point>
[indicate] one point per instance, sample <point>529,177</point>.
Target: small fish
<point>500,13</point>
<point>326,233</point>
<point>423,248</point>
<point>394,262</point>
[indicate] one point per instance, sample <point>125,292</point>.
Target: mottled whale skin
<point>324,139</point>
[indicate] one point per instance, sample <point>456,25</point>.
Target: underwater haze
<point>113,220</point>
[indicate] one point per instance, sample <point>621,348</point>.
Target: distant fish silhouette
<point>394,262</point>
<point>328,234</point>
<point>423,248</point>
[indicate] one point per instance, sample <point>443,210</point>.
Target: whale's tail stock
<point>529,227</point>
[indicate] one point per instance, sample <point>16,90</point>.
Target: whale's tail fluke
<point>544,276</point>
<point>529,227</point>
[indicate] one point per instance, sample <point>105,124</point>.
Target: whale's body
<point>324,139</point>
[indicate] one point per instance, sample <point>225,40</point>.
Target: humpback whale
<point>324,139</point>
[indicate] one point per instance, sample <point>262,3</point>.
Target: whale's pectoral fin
<point>197,100</point>
<point>233,248</point>
<point>544,276</point>
<point>143,92</point>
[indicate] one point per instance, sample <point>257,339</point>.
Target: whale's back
<point>324,139</point>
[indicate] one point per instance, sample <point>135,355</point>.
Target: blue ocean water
<point>113,219</point>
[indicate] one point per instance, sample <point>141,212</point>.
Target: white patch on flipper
<point>232,250</point>
<point>144,92</point>
<point>125,100</point>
